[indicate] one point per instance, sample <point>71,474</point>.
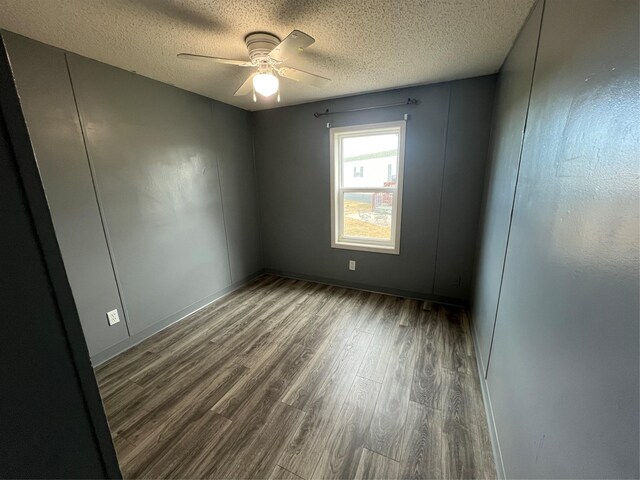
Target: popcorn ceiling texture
<point>362,45</point>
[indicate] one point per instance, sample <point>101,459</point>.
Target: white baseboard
<point>486,397</point>
<point>135,339</point>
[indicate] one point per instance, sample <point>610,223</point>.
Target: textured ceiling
<point>362,45</point>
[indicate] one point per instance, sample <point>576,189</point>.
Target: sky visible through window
<point>353,146</point>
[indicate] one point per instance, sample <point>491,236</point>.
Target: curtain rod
<point>410,101</point>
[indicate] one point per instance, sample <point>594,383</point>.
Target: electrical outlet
<point>352,264</point>
<point>112,317</point>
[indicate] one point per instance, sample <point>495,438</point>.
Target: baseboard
<point>486,397</point>
<point>369,288</point>
<point>135,339</point>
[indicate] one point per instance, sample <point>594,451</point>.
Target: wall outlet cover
<point>352,264</point>
<point>112,317</point>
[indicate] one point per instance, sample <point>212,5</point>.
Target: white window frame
<point>338,240</point>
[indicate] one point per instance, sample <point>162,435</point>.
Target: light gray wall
<point>158,180</point>
<point>510,113</point>
<point>563,372</point>
<point>49,107</point>
<point>292,159</point>
<point>174,179</point>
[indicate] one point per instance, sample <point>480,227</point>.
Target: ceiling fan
<point>266,55</point>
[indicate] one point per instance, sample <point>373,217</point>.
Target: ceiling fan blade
<point>227,61</point>
<point>303,77</point>
<point>295,43</point>
<point>246,87</point>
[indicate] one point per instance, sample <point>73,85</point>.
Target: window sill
<point>366,247</point>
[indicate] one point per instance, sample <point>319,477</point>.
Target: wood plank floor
<point>296,380</point>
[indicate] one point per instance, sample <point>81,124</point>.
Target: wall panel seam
<point>96,191</point>
<point>252,130</point>
<point>224,216</point>
<point>515,190</point>
<point>444,166</point>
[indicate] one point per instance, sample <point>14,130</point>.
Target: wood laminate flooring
<point>288,379</point>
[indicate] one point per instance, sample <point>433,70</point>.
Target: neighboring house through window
<point>366,203</point>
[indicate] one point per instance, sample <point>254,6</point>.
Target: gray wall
<point>168,174</point>
<point>446,148</point>
<point>507,134</point>
<point>234,148</point>
<point>462,185</point>
<point>157,177</point>
<point>47,100</point>
<point>51,419</point>
<point>563,371</point>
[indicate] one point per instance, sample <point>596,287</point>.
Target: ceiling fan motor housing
<point>259,45</point>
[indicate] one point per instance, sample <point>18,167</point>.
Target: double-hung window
<point>366,186</point>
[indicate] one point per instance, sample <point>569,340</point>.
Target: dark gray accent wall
<point>51,419</point>
<point>48,104</point>
<point>162,203</point>
<point>292,159</point>
<point>467,142</point>
<point>563,373</point>
<point>510,112</point>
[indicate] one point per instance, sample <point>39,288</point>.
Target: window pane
<point>367,215</point>
<point>370,160</point>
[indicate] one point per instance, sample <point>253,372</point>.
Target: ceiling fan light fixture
<point>266,84</point>
<point>267,54</point>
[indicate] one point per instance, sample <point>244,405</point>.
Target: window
<point>366,202</point>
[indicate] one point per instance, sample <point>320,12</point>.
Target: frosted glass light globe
<point>265,84</point>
